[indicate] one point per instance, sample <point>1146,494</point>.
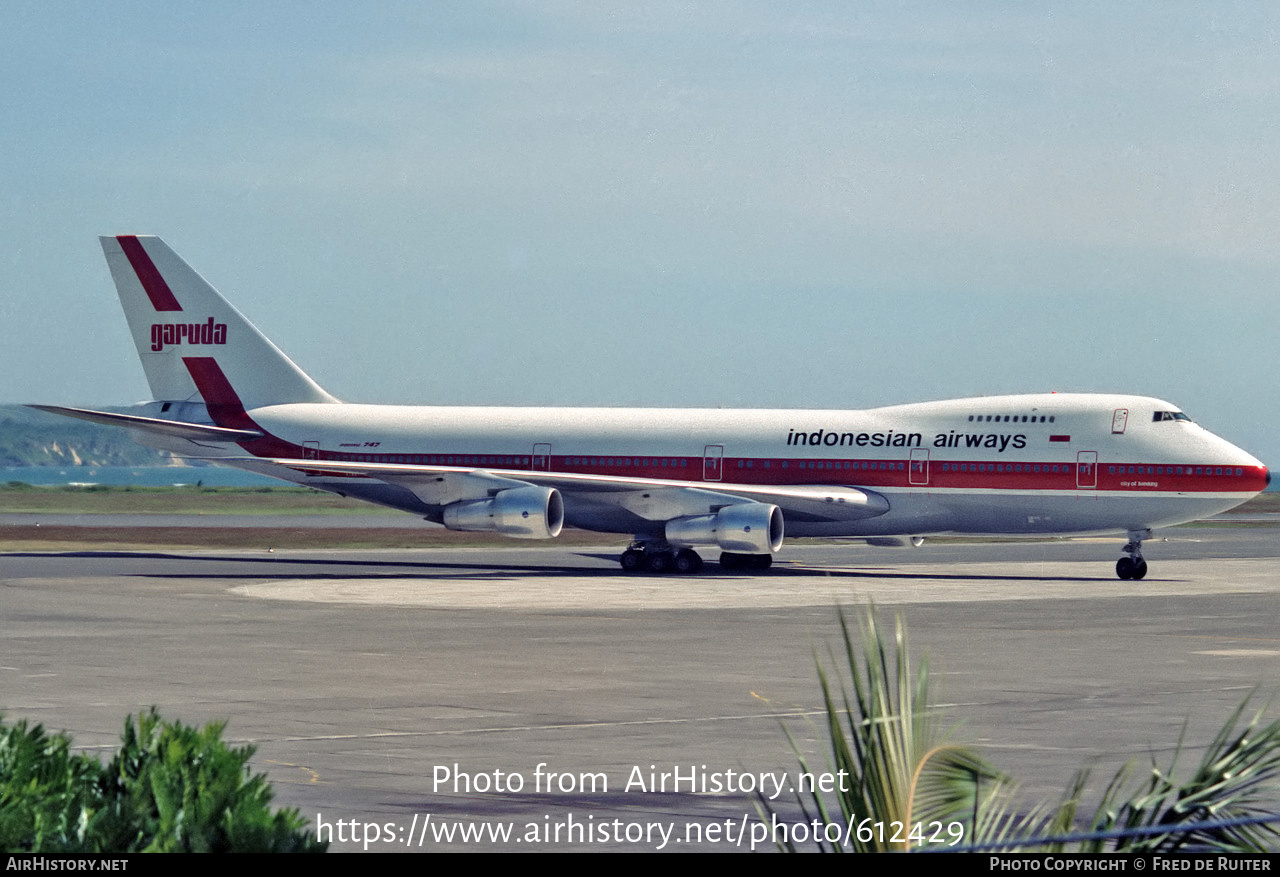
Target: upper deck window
<point>1006,418</point>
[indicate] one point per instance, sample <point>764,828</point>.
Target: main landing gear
<point>648,557</point>
<point>1132,566</point>
<point>660,558</point>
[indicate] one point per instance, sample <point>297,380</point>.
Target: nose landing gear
<point>1132,566</point>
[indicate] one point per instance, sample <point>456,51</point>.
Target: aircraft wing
<point>652,498</point>
<point>172,428</point>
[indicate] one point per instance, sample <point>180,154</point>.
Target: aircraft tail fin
<point>186,331</point>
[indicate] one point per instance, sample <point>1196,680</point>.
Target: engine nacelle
<point>520,512</point>
<point>746,528</point>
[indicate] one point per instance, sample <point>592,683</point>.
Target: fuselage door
<point>311,451</point>
<point>541,457</point>
<point>919,468</point>
<point>713,463</point>
<point>1087,469</point>
<point>1119,420</point>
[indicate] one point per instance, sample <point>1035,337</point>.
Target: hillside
<point>35,438</point>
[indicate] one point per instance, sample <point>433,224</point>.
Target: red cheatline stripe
<point>1059,438</point>
<point>162,298</point>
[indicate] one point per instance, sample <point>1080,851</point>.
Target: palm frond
<point>1235,779</point>
<point>888,741</point>
<point>899,765</point>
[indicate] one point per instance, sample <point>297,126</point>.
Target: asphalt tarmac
<point>398,696</point>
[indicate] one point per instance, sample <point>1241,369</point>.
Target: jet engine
<point>520,512</point>
<point>745,528</point>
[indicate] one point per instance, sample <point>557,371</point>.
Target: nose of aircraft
<point>1240,457</point>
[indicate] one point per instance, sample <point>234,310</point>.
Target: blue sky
<point>827,205</point>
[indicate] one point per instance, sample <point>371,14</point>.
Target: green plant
<point>47,794</point>
<point>888,742</point>
<point>170,788</point>
<point>902,769</point>
<point>1235,779</point>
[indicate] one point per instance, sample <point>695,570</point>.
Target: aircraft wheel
<point>659,561</point>
<point>632,559</point>
<point>1125,568</point>
<point>1139,569</point>
<point>688,562</point>
<point>728,560</point>
<point>760,561</point>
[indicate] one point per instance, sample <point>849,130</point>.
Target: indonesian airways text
<point>831,439</point>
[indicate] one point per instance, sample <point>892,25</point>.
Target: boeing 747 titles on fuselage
<point>675,479</point>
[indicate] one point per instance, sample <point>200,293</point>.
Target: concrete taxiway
<point>370,681</point>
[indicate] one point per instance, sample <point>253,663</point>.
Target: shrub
<point>170,788</point>
<point>47,794</point>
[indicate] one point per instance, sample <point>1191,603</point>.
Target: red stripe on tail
<point>162,298</point>
<point>226,409</point>
<point>220,397</point>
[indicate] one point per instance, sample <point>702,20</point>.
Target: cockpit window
<point>1170,415</point>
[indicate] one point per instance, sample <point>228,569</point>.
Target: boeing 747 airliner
<point>674,478</point>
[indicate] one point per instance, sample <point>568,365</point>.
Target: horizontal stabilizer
<point>174,428</point>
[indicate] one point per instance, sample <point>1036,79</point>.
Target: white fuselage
<point>1049,463</point>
